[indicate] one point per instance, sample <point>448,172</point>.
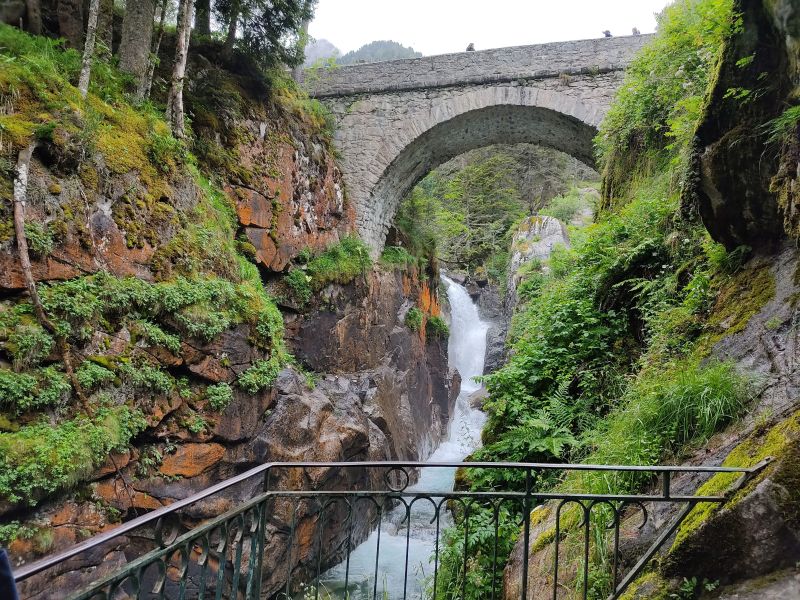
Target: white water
<point>466,349</point>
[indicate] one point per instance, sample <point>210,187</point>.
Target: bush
<point>219,396</point>
<point>22,392</point>
<point>29,345</point>
<point>414,318</point>
<point>341,263</point>
<point>299,283</point>
<point>564,208</point>
<point>40,240</point>
<point>437,327</point>
<point>260,376</point>
<point>397,256</point>
<point>91,375</point>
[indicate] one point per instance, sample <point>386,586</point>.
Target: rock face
<point>361,340</point>
<point>295,198</point>
<point>746,186</point>
<point>388,396</point>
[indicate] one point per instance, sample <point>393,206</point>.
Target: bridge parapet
<point>498,65</point>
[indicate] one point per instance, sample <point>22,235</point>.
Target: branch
<point>20,197</point>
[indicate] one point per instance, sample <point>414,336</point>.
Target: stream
<point>466,350</point>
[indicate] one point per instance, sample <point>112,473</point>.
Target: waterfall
<point>466,351</point>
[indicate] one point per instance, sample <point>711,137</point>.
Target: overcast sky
<point>441,26</point>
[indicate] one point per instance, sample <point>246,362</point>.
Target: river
<point>466,350</point>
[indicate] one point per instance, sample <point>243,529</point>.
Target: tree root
<point>20,198</point>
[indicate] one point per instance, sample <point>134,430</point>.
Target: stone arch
<point>423,139</point>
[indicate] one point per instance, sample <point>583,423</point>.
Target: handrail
<point>154,516</point>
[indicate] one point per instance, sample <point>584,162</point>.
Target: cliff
<point>154,260</point>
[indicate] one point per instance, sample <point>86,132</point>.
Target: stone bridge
<point>398,120</point>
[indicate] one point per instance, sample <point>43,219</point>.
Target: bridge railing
<point>281,528</point>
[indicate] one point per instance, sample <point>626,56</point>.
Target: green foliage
<point>38,389</point>
<point>156,336</point>
<point>340,263</point>
<point>261,375</point>
<point>91,375</point>
<point>464,211</point>
<point>219,396</point>
<point>437,327</point>
<point>40,240</point>
<point>29,345</point>
<point>397,257</point>
<point>299,283</point>
<point>662,97</point>
<point>565,207</point>
<point>414,318</point>
<point>664,409</point>
<point>468,214</point>
<point>783,126</point>
<point>40,459</point>
<point>147,377</point>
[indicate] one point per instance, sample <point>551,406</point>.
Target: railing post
<point>526,513</point>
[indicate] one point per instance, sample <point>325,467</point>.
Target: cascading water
<point>466,350</point>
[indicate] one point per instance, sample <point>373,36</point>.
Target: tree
<point>88,50</point>
<point>70,22</point>
<point>175,100</point>
<point>33,10</point>
<point>137,34</point>
<point>105,28</point>
<point>270,29</point>
<point>202,19</point>
<point>151,67</point>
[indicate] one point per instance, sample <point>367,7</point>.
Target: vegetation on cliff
<point>134,337</point>
<point>607,350</point>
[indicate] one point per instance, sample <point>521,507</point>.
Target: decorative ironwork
<point>282,541</point>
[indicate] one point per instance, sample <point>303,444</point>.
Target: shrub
<point>40,240</point>
<point>397,256</point>
<point>564,208</point>
<point>437,327</point>
<point>219,396</point>
<point>299,283</point>
<point>21,392</point>
<point>260,376</point>
<point>147,377</point>
<point>91,375</point>
<point>157,336</point>
<point>414,318</point>
<point>341,263</point>
<point>29,345</point>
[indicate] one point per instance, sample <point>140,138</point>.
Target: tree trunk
<point>105,29</point>
<point>88,50</point>
<point>70,22</point>
<point>20,198</point>
<point>34,16</point>
<point>301,43</point>
<point>230,38</point>
<point>151,67</point>
<point>202,19</point>
<point>137,35</point>
<point>175,100</point>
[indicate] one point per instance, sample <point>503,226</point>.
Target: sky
<point>442,26</point>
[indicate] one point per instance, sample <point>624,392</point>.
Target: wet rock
<point>190,460</point>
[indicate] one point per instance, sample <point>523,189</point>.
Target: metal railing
<point>300,519</point>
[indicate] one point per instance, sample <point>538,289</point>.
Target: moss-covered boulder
<point>757,531</point>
